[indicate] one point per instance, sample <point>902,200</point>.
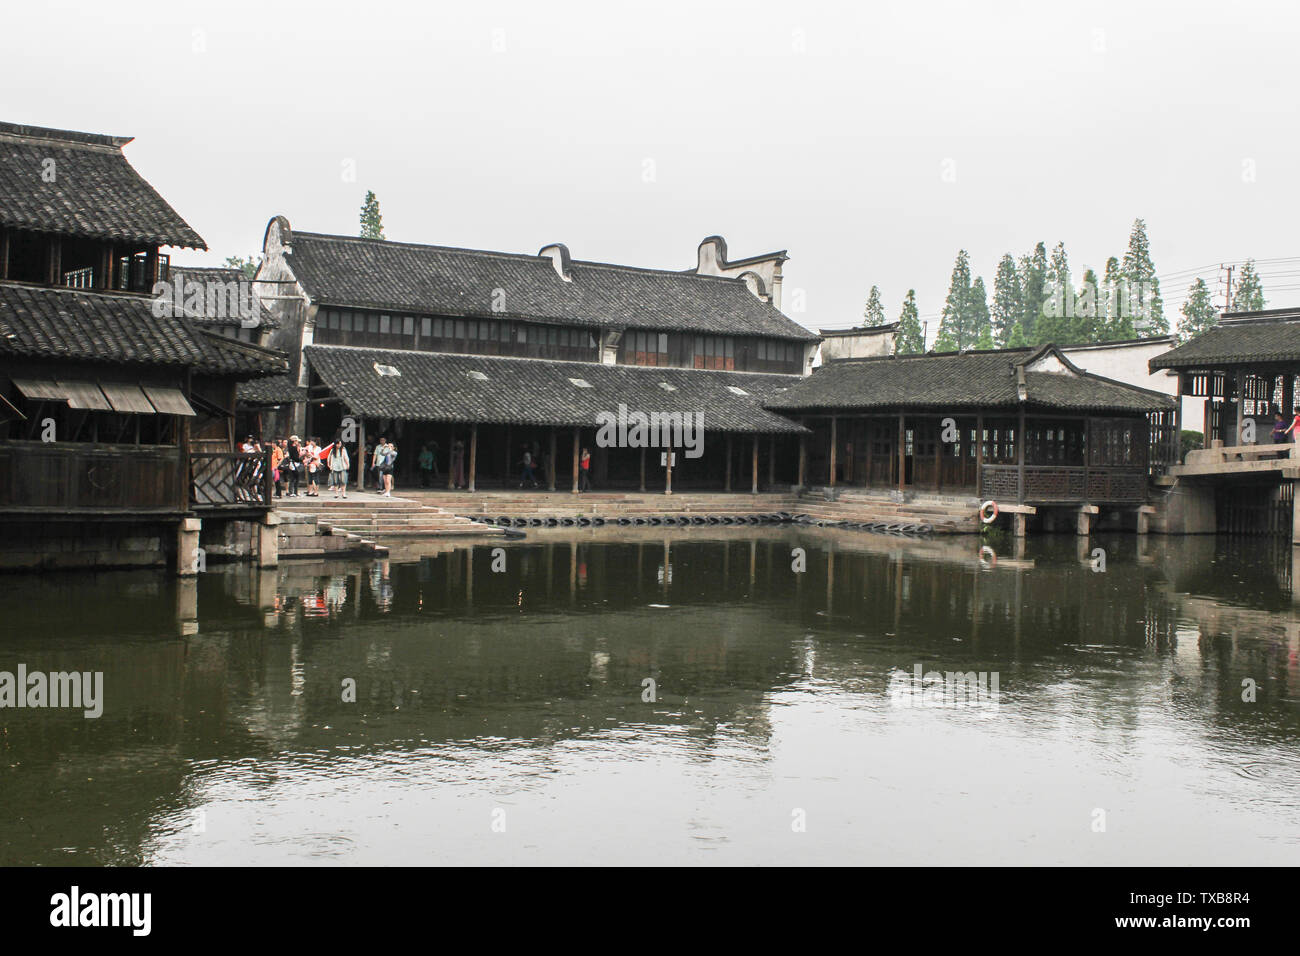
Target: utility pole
<point>1227,292</point>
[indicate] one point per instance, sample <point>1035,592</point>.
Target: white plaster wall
<point>1128,363</point>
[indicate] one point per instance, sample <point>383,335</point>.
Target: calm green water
<point>499,716</point>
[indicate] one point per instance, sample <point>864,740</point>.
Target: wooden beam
<point>726,484</point>
<point>473,453</point>
<point>834,442</point>
<point>550,465</point>
<point>576,453</point>
<point>902,453</point>
<point>451,456</point>
<point>1021,441</point>
<point>361,454</point>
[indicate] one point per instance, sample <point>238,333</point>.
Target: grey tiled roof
<point>272,390</point>
<point>93,191</point>
<point>960,380</point>
<point>1240,342</point>
<point>371,273</point>
<point>223,275</point>
<point>38,322</point>
<point>439,387</point>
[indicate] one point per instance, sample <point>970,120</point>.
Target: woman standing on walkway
<point>294,460</point>
<point>339,464</point>
<point>584,471</point>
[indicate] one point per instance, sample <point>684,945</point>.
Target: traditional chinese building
<point>116,414</point>
<point>502,352</point>
<point>1024,427</point>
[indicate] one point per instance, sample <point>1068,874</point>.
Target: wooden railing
<point>71,477</point>
<point>225,479</point>
<point>1048,483</point>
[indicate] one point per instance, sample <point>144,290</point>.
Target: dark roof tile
<point>370,273</point>
<point>94,191</point>
<point>436,386</point>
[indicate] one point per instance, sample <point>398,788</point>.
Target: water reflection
<point>523,686</point>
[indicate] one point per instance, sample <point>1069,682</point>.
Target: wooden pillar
<point>803,460</point>
<point>668,471</point>
<point>150,268</point>
<point>4,254</point>
<point>1288,393</point>
<point>869,437</point>
<point>508,474</point>
<point>726,485</point>
<point>550,465</point>
<point>834,442</point>
<point>54,261</point>
<point>577,452</point>
<point>938,452</point>
<point>754,489</point>
<point>451,455</point>
<point>473,453</point>
<point>643,469</point>
<point>771,462</point>
<point>1020,462</point>
<point>361,454</point>
<point>902,453</point>
<point>979,454</point>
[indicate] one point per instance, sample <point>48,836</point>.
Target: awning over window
<point>168,400</point>
<point>124,397</point>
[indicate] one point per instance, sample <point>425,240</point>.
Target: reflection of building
<point>116,408</point>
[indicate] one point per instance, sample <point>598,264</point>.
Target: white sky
<point>1062,121</point>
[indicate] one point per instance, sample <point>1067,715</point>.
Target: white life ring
<point>992,559</point>
<point>984,508</point>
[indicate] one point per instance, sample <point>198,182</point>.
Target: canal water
<point>737,696</point>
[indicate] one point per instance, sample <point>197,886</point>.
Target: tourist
<point>376,464</point>
<point>458,465</point>
<point>277,456</point>
<point>390,462</point>
<point>294,455</point>
<point>433,451</point>
<point>311,461</point>
<point>527,462</point>
<point>339,463</point>
<point>584,471</point>
<point>426,466</point>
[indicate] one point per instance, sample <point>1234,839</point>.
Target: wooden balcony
<point>1051,484</point>
<point>74,479</point>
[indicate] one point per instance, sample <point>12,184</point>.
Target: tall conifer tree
<point>955,331</point>
<point>874,314</point>
<point>1249,294</point>
<point>1143,288</point>
<point>910,340</point>
<point>1005,308</point>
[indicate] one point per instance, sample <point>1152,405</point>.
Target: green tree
<point>372,223</point>
<point>1088,324</point>
<point>1056,310</point>
<point>1033,276</point>
<point>1198,311</point>
<point>1249,294</point>
<point>1117,322</point>
<point>910,340</point>
<point>955,329</point>
<point>978,308</point>
<point>247,266</point>
<point>875,311</point>
<point>1142,293</point>
<point>1006,307</point>
<point>1017,339</point>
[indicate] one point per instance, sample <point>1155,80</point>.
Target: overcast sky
<point>870,141</point>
